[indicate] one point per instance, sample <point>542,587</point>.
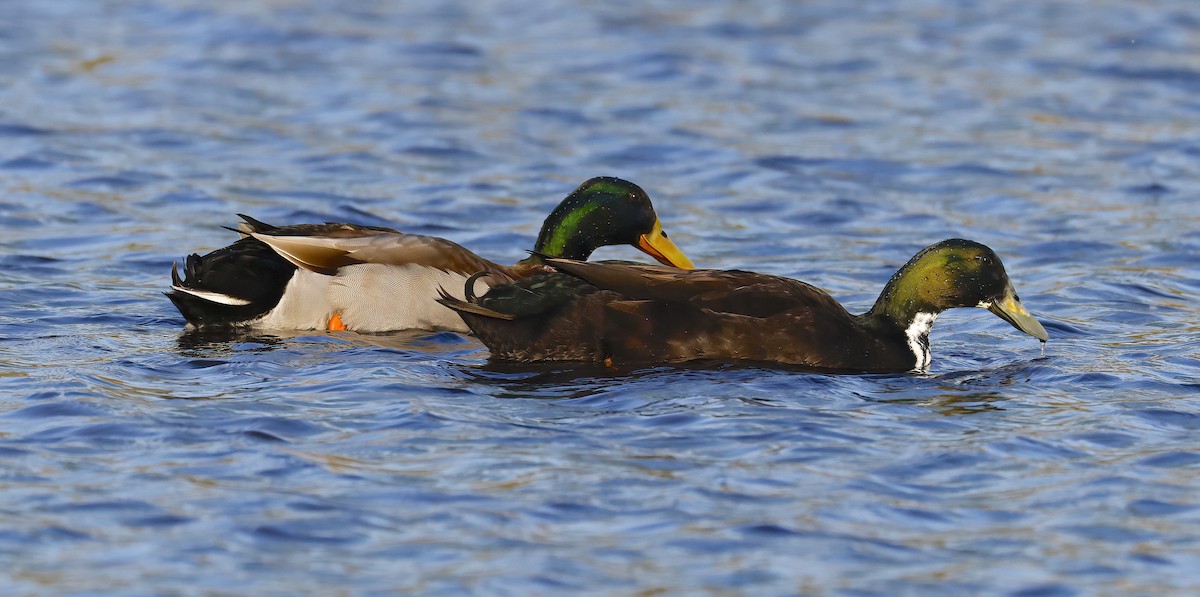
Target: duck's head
<point>606,211</point>
<point>955,273</point>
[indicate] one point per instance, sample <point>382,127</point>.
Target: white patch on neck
<point>984,305</point>
<point>918,338</point>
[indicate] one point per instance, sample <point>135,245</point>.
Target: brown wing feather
<point>724,291</point>
<point>348,245</point>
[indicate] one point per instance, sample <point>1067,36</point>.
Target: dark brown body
<point>621,313</point>
<point>693,315</point>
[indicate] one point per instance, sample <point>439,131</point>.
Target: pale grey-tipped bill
<point>1009,308</point>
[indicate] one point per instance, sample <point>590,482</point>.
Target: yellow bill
<point>657,245</point>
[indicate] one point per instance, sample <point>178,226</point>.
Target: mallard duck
<point>616,314</point>
<point>372,279</point>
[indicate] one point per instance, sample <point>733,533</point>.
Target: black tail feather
<point>471,304</point>
<point>256,225</point>
<point>247,269</point>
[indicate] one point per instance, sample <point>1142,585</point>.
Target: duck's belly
<point>369,297</point>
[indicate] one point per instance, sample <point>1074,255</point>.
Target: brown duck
<point>615,313</point>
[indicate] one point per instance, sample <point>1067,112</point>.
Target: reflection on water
<point>965,403</point>
<point>798,139</point>
<point>195,341</point>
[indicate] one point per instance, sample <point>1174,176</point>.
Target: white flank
<point>303,306</point>
<point>212,297</point>
<point>374,297</point>
<point>369,297</point>
<point>918,338</point>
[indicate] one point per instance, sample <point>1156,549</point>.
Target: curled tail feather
<point>470,304</point>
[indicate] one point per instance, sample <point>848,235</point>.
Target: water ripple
<point>798,139</point>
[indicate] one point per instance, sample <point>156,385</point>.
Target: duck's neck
<point>563,235</point>
<point>904,308</point>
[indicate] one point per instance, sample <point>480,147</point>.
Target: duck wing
<point>335,246</point>
<point>248,226</point>
<point>722,291</point>
<point>656,314</point>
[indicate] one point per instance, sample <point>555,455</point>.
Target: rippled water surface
<point>806,139</point>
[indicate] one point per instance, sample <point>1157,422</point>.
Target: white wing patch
<point>918,339</point>
<point>213,297</point>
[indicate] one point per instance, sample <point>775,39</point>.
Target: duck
<point>643,314</point>
<point>338,276</point>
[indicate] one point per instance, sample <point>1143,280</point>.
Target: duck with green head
<point>371,279</point>
<point>617,314</point>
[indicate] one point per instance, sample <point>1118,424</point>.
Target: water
<point>813,141</point>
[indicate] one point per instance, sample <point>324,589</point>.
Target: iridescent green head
<point>954,273</point>
<point>606,211</point>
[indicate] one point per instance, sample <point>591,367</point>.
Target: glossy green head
<point>601,212</point>
<point>954,273</point>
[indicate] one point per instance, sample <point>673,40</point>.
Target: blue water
<point>809,139</point>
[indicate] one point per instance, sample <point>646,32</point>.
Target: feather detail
<point>212,297</point>
<point>465,307</point>
<point>352,245</point>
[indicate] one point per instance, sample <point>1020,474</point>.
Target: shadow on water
<point>760,384</point>
<point>460,361</point>
<point>227,341</point>
<point>209,342</point>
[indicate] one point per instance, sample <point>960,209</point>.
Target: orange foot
<point>335,323</point>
